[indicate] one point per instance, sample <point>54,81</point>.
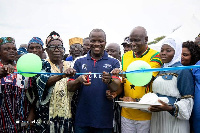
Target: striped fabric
<point>14,107</point>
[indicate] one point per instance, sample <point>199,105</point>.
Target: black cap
<point>126,41</point>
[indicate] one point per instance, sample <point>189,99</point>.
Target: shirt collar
<point>105,55</point>
<point>144,53</point>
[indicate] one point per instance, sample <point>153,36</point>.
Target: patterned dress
<point>60,103</point>
<point>53,104</point>
<point>35,94</point>
<point>14,107</point>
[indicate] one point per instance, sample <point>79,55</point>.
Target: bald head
<point>86,45</point>
<point>113,49</point>
<point>114,45</point>
<point>139,30</point>
<point>139,39</point>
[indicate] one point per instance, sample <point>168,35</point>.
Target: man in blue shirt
<point>94,111</point>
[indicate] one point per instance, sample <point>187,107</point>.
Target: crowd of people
<point>82,99</point>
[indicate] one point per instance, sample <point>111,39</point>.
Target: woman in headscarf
<point>13,102</point>
<point>54,99</point>
<point>34,93</point>
<point>178,87</point>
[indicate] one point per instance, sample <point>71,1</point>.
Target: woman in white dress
<point>178,87</point>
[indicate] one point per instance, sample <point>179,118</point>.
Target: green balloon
<point>139,79</point>
<point>29,63</point>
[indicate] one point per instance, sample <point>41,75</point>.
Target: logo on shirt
<point>107,66</point>
<point>95,76</point>
<point>132,87</point>
<point>84,66</point>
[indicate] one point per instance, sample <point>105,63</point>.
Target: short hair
<point>97,30</point>
<point>116,44</point>
<point>194,51</point>
<point>86,39</point>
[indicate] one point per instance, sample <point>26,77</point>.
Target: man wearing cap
<point>76,48</point>
<point>127,45</point>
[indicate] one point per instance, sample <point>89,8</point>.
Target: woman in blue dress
<point>178,87</point>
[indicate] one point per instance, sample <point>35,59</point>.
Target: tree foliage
<point>156,40</point>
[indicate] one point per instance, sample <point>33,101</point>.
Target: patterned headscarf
<point>53,36</point>
<point>4,40</point>
<point>22,51</point>
<point>36,40</point>
<point>176,44</point>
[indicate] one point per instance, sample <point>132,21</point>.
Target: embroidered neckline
<point>173,74</point>
<point>144,53</point>
<point>54,67</point>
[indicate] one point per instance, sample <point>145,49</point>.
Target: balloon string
<point>135,71</point>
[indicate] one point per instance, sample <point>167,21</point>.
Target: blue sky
<point>23,19</point>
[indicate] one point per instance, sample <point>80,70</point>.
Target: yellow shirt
<point>153,59</point>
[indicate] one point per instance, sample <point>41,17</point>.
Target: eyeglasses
<point>78,46</point>
<point>52,48</point>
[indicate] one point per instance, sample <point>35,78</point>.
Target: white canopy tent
<point>188,31</point>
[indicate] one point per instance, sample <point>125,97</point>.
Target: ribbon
<point>135,71</point>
